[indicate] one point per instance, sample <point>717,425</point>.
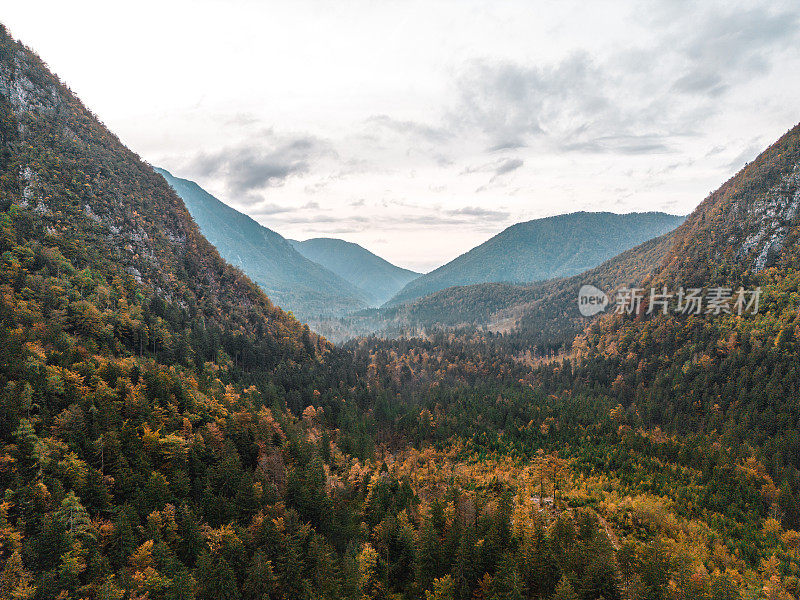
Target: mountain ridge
<point>292,281</point>
<point>542,249</point>
<point>364,269</point>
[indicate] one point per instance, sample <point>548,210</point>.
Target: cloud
<point>633,101</point>
<point>263,210</point>
<point>242,119</point>
<point>508,165</point>
<point>498,167</point>
<point>732,46</point>
<point>512,103</point>
<point>701,81</point>
<point>620,144</point>
<point>263,163</point>
<point>480,213</point>
<point>423,131</point>
<point>745,156</point>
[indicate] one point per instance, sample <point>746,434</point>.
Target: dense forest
<point>168,433</point>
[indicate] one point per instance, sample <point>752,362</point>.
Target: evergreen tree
<point>215,578</point>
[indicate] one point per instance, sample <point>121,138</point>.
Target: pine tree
<point>564,591</point>
<point>507,584</point>
<point>261,581</point>
<point>465,569</point>
<point>215,579</point>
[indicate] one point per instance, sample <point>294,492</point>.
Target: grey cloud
<point>263,210</point>
<point>620,144</point>
<point>729,47</point>
<point>498,168</point>
<point>507,145</point>
<point>511,164</point>
<point>468,215</point>
<point>269,209</point>
<point>745,156</point>
<point>241,120</point>
<point>625,102</point>
<point>431,219</point>
<point>512,102</point>
<point>337,230</point>
<point>715,150</point>
<point>701,81</point>
<point>265,163</point>
<point>325,219</point>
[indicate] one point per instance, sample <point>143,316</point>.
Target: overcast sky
<point>420,129</point>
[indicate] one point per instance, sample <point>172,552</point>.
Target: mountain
<point>543,314</point>
<point>95,221</point>
<point>739,231</point>
<point>291,280</point>
<point>543,249</point>
<point>377,278</point>
<point>744,235</point>
<point>166,432</point>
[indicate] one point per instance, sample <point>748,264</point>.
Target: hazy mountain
<point>542,314</point>
<point>377,278</point>
<point>542,249</point>
<point>292,281</point>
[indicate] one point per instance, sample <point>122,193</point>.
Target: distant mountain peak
<point>541,249</point>
<point>292,281</point>
<point>376,277</point>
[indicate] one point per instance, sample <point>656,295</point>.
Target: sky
<point>421,129</point>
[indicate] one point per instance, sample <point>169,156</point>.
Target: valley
<point>195,407</point>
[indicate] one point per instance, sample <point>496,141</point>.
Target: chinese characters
<point>687,301</point>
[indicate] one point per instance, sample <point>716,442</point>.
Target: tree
<point>465,568</point>
<point>215,578</point>
<point>75,519</point>
<point>601,579</point>
<point>722,588</point>
<point>538,565</point>
<point>261,581</point>
<point>443,589</point>
<point>565,591</point>
<point>16,581</point>
<point>507,584</point>
<point>370,586</point>
<point>655,568</point>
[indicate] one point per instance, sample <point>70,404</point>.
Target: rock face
<point>18,86</point>
<point>771,217</point>
<point>746,226</point>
